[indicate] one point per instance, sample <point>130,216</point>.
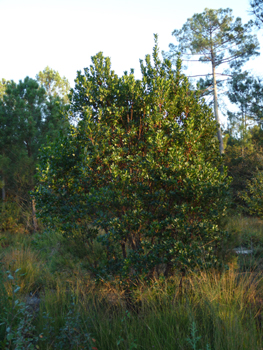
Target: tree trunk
<point>243,134</point>
<point>219,133</point>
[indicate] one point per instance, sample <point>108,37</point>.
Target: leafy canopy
<point>139,173</point>
<point>27,117</point>
<point>54,84</point>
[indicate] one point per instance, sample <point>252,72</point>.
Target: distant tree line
<point>33,113</point>
<point>215,37</point>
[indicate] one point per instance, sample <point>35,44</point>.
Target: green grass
<point>215,310</point>
<point>247,232</point>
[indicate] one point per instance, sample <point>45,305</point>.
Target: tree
<point>257,10</point>
<point>57,90</point>
<point>54,85</point>
<point>217,39</point>
<point>142,167</point>
<point>3,160</point>
<point>3,85</point>
<point>243,159</point>
<point>26,119</point>
<point>246,92</point>
<point>244,133</point>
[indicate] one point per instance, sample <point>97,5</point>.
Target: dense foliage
<point>29,117</point>
<point>243,136</point>
<point>142,165</point>
<point>253,196</point>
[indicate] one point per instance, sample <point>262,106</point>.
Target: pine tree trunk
<point>243,133</point>
<point>219,133</point>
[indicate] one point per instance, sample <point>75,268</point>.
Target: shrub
<point>142,166</point>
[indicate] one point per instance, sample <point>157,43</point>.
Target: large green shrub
<point>141,172</point>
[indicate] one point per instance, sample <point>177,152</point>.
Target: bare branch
<point>203,75</point>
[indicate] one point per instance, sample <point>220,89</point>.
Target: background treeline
<point>243,138</point>
<point>33,113</point>
<point>226,44</point>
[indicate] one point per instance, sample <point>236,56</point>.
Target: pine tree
<point>257,10</point>
<point>246,92</point>
<point>217,39</point>
<point>27,118</point>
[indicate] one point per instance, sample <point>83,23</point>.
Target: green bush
<point>141,172</point>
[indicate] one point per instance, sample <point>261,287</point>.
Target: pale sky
<point>64,34</point>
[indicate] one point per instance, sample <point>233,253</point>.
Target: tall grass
<point>213,310</point>
<point>225,310</point>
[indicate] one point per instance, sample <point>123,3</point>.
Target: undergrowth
<point>48,300</point>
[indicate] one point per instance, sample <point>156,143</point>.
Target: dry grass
<point>216,310</point>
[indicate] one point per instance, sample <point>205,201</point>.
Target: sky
<point>64,34</point>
